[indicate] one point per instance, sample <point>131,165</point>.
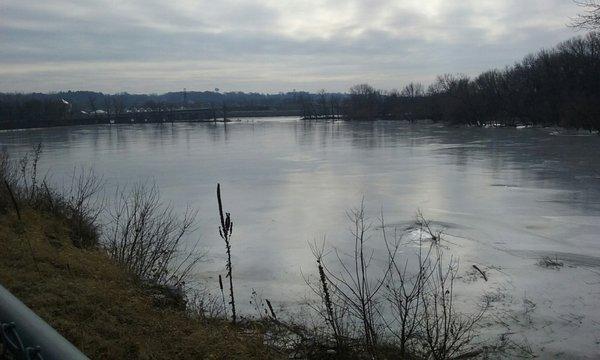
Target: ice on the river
<point>548,311</point>
<point>503,198</point>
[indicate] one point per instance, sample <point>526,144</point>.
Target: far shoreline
<point>235,118</point>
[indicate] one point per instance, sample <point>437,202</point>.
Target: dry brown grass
<point>97,306</point>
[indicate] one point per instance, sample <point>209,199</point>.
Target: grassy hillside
<point>96,305</point>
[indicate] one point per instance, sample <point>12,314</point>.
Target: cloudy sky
<point>264,45</point>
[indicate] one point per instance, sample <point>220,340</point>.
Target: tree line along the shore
<point>553,87</point>
<point>556,87</point>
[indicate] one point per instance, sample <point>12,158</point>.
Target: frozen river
<point>505,197</point>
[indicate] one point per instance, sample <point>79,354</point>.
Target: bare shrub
<point>8,174</point>
<point>332,309</point>
<point>353,285</point>
<point>446,333</point>
<point>409,309</point>
<point>145,235</point>
<point>204,305</point>
<point>79,202</point>
<point>21,175</point>
<point>405,288</point>
<point>28,171</point>
<point>84,205</point>
<point>7,169</point>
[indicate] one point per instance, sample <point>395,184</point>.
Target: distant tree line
<point>73,107</point>
<point>31,111</point>
<point>556,87</point>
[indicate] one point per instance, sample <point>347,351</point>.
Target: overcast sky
<point>264,45</point>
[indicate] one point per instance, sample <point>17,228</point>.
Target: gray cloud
<point>271,45</point>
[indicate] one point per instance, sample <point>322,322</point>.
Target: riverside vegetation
<point>117,288</point>
<point>114,292</point>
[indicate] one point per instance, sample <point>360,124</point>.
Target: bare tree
<point>92,103</point>
<point>413,90</point>
<point>363,102</point>
<point>107,105</point>
<point>118,104</point>
<point>322,100</point>
<point>589,19</point>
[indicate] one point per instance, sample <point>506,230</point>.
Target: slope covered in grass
<point>96,305</point>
